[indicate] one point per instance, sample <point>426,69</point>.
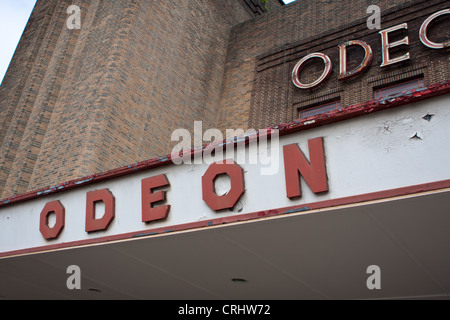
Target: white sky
<point>14,15</point>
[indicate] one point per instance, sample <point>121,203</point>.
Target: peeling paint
<point>145,234</point>
<point>366,108</point>
<point>284,129</point>
<point>83,181</point>
<point>303,209</point>
<point>417,136</point>
<point>52,189</point>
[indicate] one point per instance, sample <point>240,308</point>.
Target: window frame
<point>398,87</point>
<point>305,113</point>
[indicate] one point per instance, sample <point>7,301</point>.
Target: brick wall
<point>78,102</point>
<point>28,94</point>
<point>258,91</point>
<point>257,7</point>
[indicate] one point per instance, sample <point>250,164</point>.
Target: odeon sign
<point>386,46</point>
<point>313,170</point>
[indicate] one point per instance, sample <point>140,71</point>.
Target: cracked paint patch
<point>84,181</point>
<point>143,235</point>
<point>417,136</point>
<point>302,209</point>
<point>360,109</point>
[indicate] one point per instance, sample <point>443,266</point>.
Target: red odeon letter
<point>229,200</point>
<point>313,171</point>
<point>105,196</point>
<point>298,67</point>
<point>149,198</point>
<point>58,209</point>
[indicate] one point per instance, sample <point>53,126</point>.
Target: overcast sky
<point>14,15</point>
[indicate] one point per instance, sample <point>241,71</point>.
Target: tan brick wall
<point>28,95</point>
<point>78,102</point>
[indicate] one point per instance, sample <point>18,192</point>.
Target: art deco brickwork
<point>77,102</point>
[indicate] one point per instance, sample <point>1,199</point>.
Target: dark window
<point>323,108</point>
<point>399,88</point>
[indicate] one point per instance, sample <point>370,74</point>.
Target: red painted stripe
<point>380,195</point>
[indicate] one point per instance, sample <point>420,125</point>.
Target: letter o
<point>230,199</point>
<point>326,72</point>
<point>58,209</point>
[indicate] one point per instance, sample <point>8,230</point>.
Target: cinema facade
<point>355,122</point>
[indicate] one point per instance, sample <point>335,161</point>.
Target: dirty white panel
<point>381,151</point>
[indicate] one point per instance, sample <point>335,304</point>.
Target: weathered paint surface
<point>284,129</point>
<point>366,155</point>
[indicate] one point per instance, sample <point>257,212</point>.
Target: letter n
<point>313,171</point>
